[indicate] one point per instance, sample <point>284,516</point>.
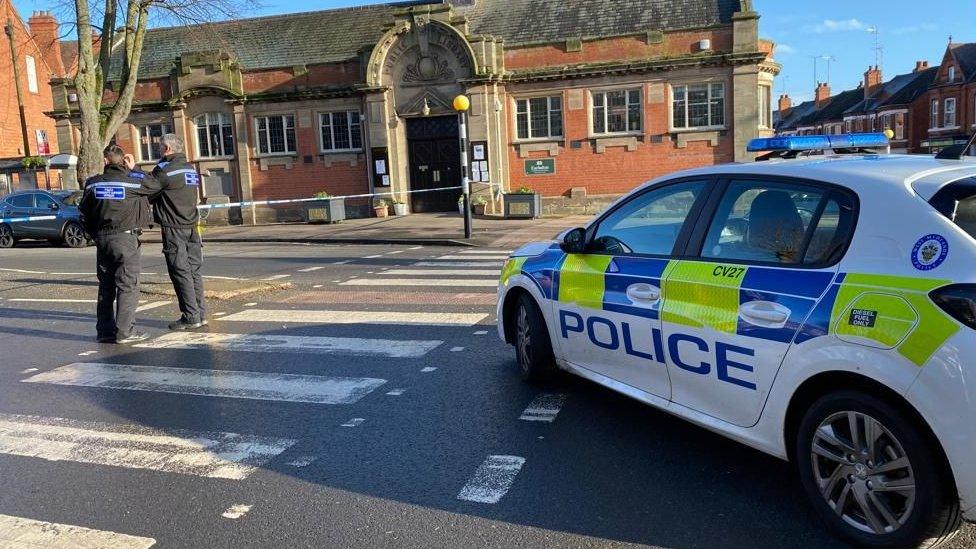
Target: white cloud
<point>838,25</point>
<point>912,29</point>
<point>785,49</point>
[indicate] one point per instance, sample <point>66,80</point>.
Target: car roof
<point>864,173</point>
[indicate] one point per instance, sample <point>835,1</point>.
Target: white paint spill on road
<point>302,461</point>
<point>200,453</point>
<point>544,408</point>
<point>153,305</point>
<point>457,349</point>
<point>421,282</point>
<point>355,317</point>
<point>497,264</point>
<point>275,277</point>
<point>236,511</point>
<point>24,533</point>
<point>492,480</point>
<point>428,369</point>
<point>218,383</point>
<point>354,422</point>
<point>293,344</point>
<point>310,269</point>
<point>396,392</point>
<point>443,272</point>
<point>29,371</point>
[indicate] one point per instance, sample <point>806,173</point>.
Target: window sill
<point>615,134</point>
<point>700,129</point>
<point>630,142</point>
<point>213,158</point>
<point>525,147</point>
<point>341,151</point>
<point>286,160</point>
<point>682,138</point>
<point>538,140</point>
<point>276,155</point>
<point>331,157</point>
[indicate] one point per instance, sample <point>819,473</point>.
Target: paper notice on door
<point>386,181</point>
<point>479,152</point>
<point>380,167</point>
<point>475,175</point>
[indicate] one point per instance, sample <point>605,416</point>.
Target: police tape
<point>250,203</point>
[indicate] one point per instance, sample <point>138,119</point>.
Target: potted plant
<point>479,203</point>
<point>461,204</point>
<point>523,203</point>
<point>381,208</point>
<point>325,208</point>
<point>399,207</point>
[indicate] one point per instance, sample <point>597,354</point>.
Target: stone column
<point>745,82</point>
<point>243,161</point>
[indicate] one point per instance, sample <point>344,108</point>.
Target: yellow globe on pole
<point>889,133</point>
<point>462,103</point>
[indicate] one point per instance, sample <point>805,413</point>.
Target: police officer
<point>115,212</point>
<point>175,210</point>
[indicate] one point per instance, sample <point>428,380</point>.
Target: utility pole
<point>461,105</point>
<point>8,29</point>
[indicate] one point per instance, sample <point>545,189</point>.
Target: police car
<point>819,306</point>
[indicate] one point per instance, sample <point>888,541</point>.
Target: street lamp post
<point>461,105</point>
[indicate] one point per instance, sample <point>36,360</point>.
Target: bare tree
<point>104,106</point>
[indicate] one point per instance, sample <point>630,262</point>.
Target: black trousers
<point>183,250</point>
<point>119,264</point>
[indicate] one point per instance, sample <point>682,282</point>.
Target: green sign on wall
<point>542,166</point>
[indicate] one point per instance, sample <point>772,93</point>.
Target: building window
<point>539,117</point>
<point>849,126</point>
<point>950,112</point>
<point>149,137</point>
<point>899,126</point>
<point>215,136</point>
<point>276,134</point>
<point>31,74</point>
<point>341,131</point>
<point>617,111</point>
<point>698,106</point>
<point>765,107</point>
<point>952,74</point>
<point>934,117</point>
<point>43,147</point>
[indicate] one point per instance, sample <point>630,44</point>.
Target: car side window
<point>650,223</point>
<point>25,200</point>
<point>781,223</point>
<point>43,201</point>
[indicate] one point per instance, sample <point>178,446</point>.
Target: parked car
<point>62,224</point>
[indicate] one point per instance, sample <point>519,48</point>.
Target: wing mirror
<point>574,241</point>
<point>53,206</point>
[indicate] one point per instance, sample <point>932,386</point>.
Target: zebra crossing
<point>233,456</point>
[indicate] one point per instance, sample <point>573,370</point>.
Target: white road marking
<point>29,371</point>
<point>24,533</point>
<point>200,453</point>
<point>457,349</point>
<point>482,251</point>
<point>544,407</point>
<point>252,304</point>
<point>317,286</point>
<point>343,262</point>
<point>481,332</point>
<point>373,256</point>
<point>275,277</point>
<point>444,272</point>
<point>310,269</point>
<point>88,353</point>
<point>153,305</point>
<point>220,383</point>
<point>302,461</point>
<point>492,480</point>
<point>215,277</point>
<point>22,271</point>
<point>354,422</point>
<point>295,344</point>
<point>236,511</point>
<point>428,369</point>
<point>487,282</point>
<point>458,264</point>
<point>396,392</point>
<point>395,252</point>
<point>484,257</point>
<point>50,300</point>
<point>416,248</point>
<point>72,274</point>
<point>219,314</point>
<point>355,317</point>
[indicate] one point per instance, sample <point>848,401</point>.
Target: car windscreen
<point>957,201</point>
<point>71,198</point>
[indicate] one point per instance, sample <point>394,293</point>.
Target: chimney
<point>872,81</point>
<point>785,104</point>
<point>822,94</point>
<point>921,66</point>
<point>44,28</point>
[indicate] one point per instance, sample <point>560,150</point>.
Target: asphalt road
<point>339,413</point>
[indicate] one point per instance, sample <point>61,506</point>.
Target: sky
<point>806,32</point>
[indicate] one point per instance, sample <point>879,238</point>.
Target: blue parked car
<point>64,229</point>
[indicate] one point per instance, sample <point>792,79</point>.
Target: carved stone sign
<point>424,65</point>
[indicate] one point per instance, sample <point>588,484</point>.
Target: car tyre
<point>533,347</point>
<point>890,492</point>
<point>74,236</point>
<point>7,239</point>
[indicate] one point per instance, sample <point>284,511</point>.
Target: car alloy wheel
<point>6,237</point>
<point>863,472</point>
<point>74,236</point>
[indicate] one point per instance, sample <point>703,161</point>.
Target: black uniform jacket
<point>117,201</point>
<point>176,206</point>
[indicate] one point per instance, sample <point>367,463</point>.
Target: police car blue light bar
<point>818,142</point>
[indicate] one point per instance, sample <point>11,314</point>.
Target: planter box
<point>522,206</point>
<point>479,209</point>
<point>400,209</point>
<point>327,210</point>
<point>381,211</point>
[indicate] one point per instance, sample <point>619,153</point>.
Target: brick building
<point>38,60</point>
<point>578,97</point>
<point>950,103</point>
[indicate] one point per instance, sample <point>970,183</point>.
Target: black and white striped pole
<point>461,105</point>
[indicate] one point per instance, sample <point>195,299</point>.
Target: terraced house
<point>572,99</point>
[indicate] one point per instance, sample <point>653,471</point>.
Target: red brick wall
<point>284,80</point>
<point>36,104</point>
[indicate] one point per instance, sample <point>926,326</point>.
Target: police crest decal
<point>929,252</point>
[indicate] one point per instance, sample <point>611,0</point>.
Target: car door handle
<point>767,314</point>
<point>643,293</point>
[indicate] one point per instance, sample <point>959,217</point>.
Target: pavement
<point>430,229</point>
<point>368,402</point>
